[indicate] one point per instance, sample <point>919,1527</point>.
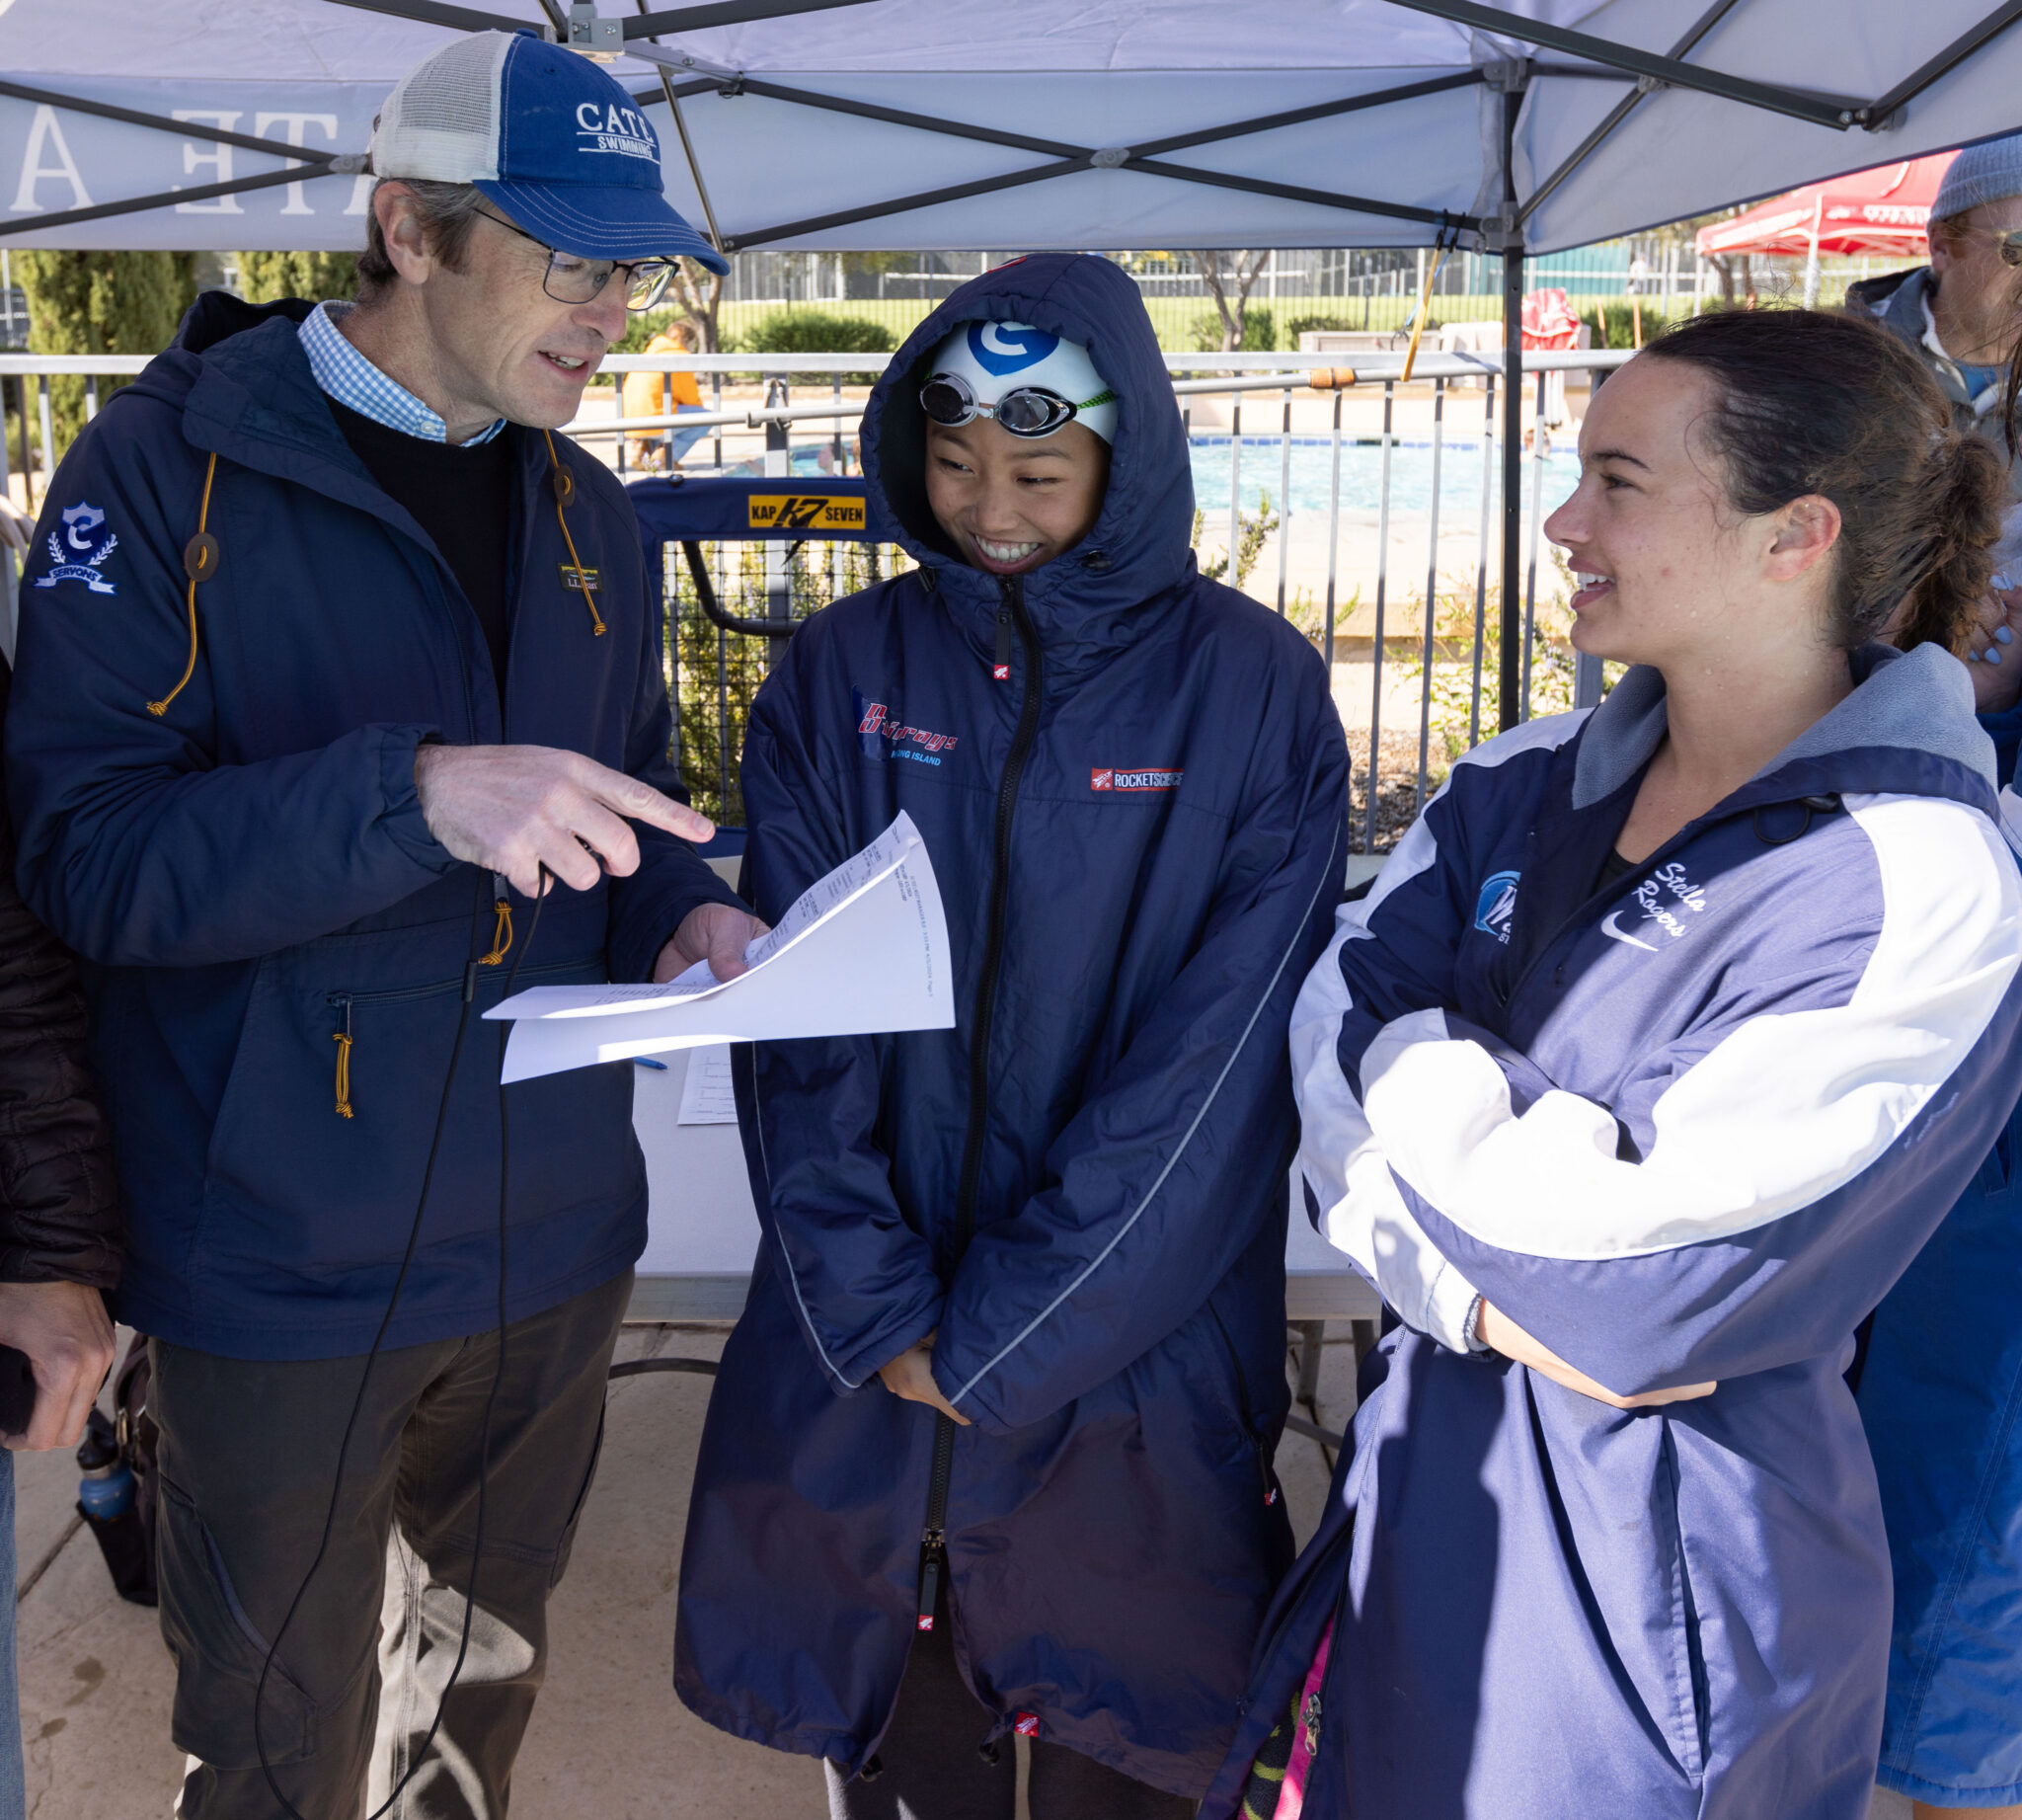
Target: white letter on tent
<point>42,132</point>
<point>295,124</point>
<point>219,160</point>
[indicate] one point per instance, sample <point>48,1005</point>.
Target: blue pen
<point>649,1062</point>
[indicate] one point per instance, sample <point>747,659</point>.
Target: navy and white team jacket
<point>1691,1126</point>
<point>1139,835</point>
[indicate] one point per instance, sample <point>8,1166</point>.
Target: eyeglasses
<point>2009,246</point>
<point>1030,411</point>
<point>570,280</point>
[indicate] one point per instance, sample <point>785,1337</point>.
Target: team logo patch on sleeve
<point>81,524</point>
<point>1141,778</point>
<point>1496,905</point>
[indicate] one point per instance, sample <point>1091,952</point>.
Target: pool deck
<point>609,1737</point>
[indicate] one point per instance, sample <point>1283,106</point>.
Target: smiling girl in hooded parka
<point>1008,1386</point>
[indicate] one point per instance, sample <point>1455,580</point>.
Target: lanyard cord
<point>565,493</point>
<point>200,557</point>
<point>366,1377</point>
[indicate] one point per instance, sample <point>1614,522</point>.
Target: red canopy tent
<point>1883,212</point>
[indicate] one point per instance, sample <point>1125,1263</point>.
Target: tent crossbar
<point>1067,167</point>
<point>306,172</point>
<point>899,117</point>
<point>925,198</point>
<point>725,13</point>
<point>1070,158</point>
<point>1877,114</point>
<point>1819,110</point>
<point>131,116</point>
<point>1620,112</point>
<point>1294,193</point>
<point>1320,111</point>
<point>1055,148</point>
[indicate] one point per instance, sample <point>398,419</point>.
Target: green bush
<point>1260,332</point>
<point>815,331</point>
<point>266,277</point>
<point>99,304</point>
<point>1317,325</point>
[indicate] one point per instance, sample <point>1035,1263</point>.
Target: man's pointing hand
<point>514,809</point>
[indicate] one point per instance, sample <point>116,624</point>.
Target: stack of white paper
<point>863,950</point>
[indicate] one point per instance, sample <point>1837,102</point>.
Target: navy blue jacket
<point>1154,804</point>
<point>249,876</point>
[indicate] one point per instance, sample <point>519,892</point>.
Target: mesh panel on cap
<point>441,121</point>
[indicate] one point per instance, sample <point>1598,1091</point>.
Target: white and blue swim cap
<point>996,358</point>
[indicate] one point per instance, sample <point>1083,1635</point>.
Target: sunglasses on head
<point>1029,411</point>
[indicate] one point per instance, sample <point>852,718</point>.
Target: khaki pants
<point>248,1456</point>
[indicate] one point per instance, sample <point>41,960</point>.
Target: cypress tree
<point>99,304</point>
<point>266,277</point>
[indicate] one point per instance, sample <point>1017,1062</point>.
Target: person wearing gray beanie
<point>1958,313</point>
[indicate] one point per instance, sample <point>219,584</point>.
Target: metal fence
<point>1375,514</point>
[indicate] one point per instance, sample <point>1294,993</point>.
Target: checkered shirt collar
<point>345,375</point>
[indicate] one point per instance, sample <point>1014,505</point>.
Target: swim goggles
<point>1026,411</point>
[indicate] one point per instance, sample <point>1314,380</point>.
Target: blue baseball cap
<point>546,135</point>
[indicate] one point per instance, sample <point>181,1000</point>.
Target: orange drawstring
<point>344,1073</point>
<point>200,556</point>
<point>565,491</point>
<point>502,935</point>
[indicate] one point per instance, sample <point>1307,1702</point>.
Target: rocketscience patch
<point>1142,779</point>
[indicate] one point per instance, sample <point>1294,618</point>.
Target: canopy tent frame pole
<point>1510,631</point>
<point>1878,116</point>
<point>348,164</point>
<point>1070,158</point>
<point>1814,108</point>
<point>651,24</point>
<point>1621,110</point>
<point>133,117</point>
<point>666,89</point>
<point>1067,167</point>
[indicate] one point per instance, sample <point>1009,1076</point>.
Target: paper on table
<point>707,1097</point>
<point>864,949</point>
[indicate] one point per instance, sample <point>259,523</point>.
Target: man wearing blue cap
<point>333,655</point>
<point>1958,313</point>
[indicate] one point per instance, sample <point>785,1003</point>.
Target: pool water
<point>1313,459</point>
<point>1362,476</point>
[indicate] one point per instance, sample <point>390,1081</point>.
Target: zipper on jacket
<point>343,1002</point>
<point>1266,1479</point>
<point>1011,615</point>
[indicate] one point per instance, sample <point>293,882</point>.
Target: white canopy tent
<point>1529,127</point>
<point>1096,124</point>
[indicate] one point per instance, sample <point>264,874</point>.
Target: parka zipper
<point>1011,615</point>
<point>1266,1479</point>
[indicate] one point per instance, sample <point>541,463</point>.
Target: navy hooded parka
<point>248,875</point>
<point>1138,837</point>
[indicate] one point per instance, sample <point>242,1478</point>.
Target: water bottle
<point>105,1490</point>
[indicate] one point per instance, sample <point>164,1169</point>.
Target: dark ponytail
<point>1812,402</point>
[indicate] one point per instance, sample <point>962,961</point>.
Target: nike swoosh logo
<point>1607,929</point>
